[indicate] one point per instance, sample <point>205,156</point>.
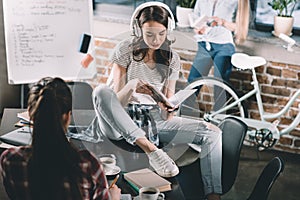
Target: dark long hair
<point>163,55</point>
<point>53,160</point>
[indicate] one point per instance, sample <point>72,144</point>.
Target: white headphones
<point>134,27</point>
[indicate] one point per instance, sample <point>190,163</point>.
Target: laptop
<point>18,137</point>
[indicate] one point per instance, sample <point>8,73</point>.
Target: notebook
<point>147,178</point>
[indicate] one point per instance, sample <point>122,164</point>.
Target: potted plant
<point>183,9</point>
<point>284,20</point>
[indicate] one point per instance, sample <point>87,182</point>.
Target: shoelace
<point>163,159</point>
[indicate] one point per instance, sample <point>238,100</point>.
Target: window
<point>265,15</point>
<point>118,10</point>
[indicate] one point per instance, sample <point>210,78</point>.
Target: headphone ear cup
<point>169,25</point>
<point>136,29</point>
<point>171,37</point>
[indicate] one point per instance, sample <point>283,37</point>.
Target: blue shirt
<point>225,9</point>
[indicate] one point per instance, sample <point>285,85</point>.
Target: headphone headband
<point>148,4</point>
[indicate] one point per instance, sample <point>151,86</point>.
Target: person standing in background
<point>228,25</point>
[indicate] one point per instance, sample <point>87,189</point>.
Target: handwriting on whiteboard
<point>28,39</point>
<point>42,38</point>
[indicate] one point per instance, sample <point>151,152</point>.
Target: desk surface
<point>127,160</point>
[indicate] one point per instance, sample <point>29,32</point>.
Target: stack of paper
<point>24,119</point>
<point>199,22</point>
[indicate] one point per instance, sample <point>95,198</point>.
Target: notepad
<point>147,178</point>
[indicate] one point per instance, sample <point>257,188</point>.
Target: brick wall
<point>278,83</point>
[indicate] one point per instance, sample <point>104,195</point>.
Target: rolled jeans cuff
<point>133,136</point>
<point>213,189</point>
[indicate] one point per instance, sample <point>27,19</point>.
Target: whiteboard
<point>43,37</point>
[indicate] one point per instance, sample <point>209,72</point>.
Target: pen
<point>23,131</point>
<point>114,181</point>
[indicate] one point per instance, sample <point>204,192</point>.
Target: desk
<point>127,160</point>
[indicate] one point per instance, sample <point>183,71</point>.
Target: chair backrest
<point>266,179</point>
<point>234,131</point>
<point>82,95</point>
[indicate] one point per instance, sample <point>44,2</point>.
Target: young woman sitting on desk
<point>148,58</point>
<point>51,168</point>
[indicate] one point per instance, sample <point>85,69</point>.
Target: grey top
<point>225,9</point>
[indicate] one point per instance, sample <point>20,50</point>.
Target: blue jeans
<point>219,56</point>
<point>116,124</point>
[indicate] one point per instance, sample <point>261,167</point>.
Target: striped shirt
<point>14,169</point>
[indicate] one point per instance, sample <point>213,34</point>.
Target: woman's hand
<point>115,192</point>
<point>217,21</point>
<point>222,22</point>
<point>167,113</point>
<point>138,86</point>
<point>200,31</point>
<point>142,87</point>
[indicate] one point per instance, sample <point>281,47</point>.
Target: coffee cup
<point>150,193</point>
<point>108,161</point>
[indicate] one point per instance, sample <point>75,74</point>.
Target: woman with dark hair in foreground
<point>51,168</point>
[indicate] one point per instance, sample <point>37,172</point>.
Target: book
<point>18,137</point>
<point>147,178</point>
<point>175,100</point>
<point>24,118</point>
<point>140,98</point>
<point>134,187</point>
<point>199,22</point>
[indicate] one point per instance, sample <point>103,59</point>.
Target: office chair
<point>234,131</point>
<point>266,179</point>
<point>82,95</point>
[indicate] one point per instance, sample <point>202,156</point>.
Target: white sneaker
<point>195,147</point>
<point>162,163</point>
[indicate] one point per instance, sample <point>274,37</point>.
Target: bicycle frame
<point>262,123</point>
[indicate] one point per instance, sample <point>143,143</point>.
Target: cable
<point>290,42</point>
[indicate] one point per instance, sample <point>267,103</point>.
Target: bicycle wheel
<point>213,94</point>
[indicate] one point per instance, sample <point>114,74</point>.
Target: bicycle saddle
<point>244,61</point>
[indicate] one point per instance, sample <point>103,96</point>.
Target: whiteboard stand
<point>22,96</point>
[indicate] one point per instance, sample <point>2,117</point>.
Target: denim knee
<point>102,93</point>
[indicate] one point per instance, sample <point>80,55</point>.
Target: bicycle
<point>219,100</point>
